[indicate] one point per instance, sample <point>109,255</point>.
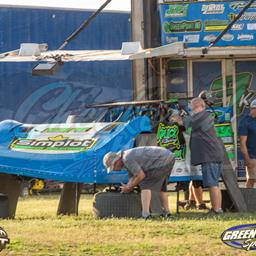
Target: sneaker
<point>149,217</point>
<point>212,211</point>
<point>190,205</point>
<point>166,215</point>
<point>202,207</point>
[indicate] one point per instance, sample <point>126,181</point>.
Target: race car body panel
<point>66,152</point>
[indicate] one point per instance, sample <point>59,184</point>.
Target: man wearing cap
<point>247,135</point>
<point>148,167</point>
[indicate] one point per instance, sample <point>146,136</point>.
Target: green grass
<point>37,230</point>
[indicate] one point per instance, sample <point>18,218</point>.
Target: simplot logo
<point>241,237</point>
<point>53,143</point>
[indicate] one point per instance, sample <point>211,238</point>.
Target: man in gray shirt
<point>206,149</point>
<point>148,167</point>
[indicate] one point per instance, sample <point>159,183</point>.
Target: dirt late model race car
<point>73,152</point>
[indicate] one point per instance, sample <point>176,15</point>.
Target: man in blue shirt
<point>247,134</point>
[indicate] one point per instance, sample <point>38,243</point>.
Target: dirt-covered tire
<point>115,204</point>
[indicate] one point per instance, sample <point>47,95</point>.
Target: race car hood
<point>67,152</point>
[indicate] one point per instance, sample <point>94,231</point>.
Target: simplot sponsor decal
<point>213,8</point>
<point>182,26</point>
<point>53,143</point>
<point>241,237</point>
<point>176,10</point>
<point>215,25</point>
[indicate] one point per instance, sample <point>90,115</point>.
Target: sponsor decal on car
<point>182,26</point>
<point>66,130</point>
<point>215,25</point>
<point>213,8</point>
<point>240,237</point>
<point>59,143</point>
<point>176,10</point>
<point>168,135</point>
<point>245,37</point>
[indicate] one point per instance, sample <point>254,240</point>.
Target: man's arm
<point>197,121</point>
<point>244,151</point>
<point>133,182</point>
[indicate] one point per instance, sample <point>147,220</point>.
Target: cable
<point>205,50</point>
<point>83,25</point>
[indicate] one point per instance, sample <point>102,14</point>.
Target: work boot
<point>190,205</point>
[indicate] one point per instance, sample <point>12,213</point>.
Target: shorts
<point>211,173</point>
<point>157,179</point>
<point>251,172</point>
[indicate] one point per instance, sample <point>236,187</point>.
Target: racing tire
<point>116,204</point>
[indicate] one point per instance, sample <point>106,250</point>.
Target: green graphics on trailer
<point>225,132</point>
<point>170,136</point>
<point>243,82</point>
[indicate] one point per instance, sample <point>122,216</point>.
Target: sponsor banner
<point>199,23</point>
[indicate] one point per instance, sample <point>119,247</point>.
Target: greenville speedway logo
<point>53,143</point>
<point>241,237</point>
<point>3,239</point>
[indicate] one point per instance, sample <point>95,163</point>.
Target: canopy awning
<point>91,55</point>
<point>175,50</point>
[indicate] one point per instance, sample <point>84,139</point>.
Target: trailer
<point>34,99</point>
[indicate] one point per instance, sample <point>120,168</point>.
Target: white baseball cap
<point>109,160</point>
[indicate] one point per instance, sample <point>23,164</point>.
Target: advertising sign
<point>199,23</point>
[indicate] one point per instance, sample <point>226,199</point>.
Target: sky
<point>114,5</point>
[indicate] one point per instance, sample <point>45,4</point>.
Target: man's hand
<point>125,188</point>
<point>176,118</point>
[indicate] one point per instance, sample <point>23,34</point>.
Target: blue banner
<point>198,24</point>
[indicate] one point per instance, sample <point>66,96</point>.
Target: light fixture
<point>46,69</point>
